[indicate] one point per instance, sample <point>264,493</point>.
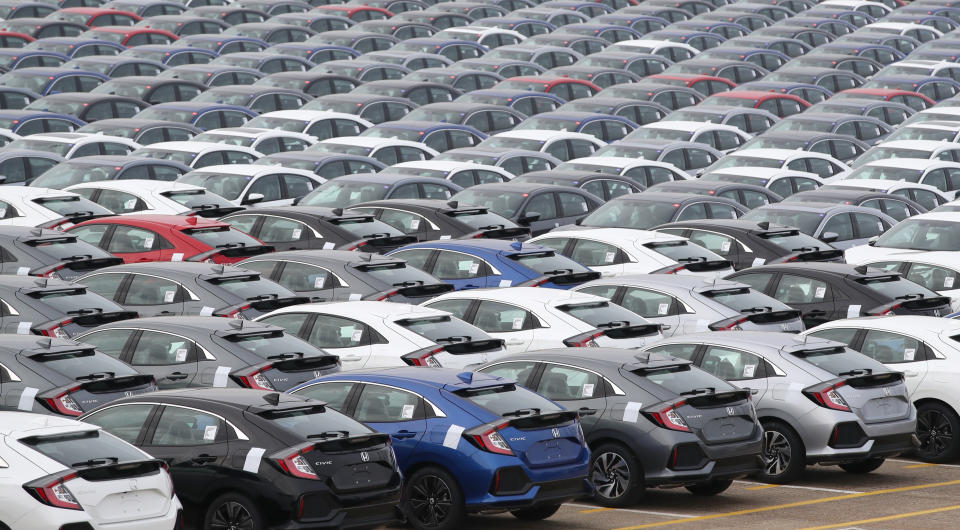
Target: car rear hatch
<point>690,258</point>
<point>933,306</point>
<point>485,225</point>
<point>347,464</point>
<point>457,354</point>
<point>540,440</point>
<point>754,313</point>
<point>715,418</point>
<point>379,243</point>
<point>518,233</point>
<point>232,253</point>
<point>74,309</point>
<point>612,322</point>
<point>259,296</point>
<point>406,283</point>
<point>64,256</point>
<point>832,255</point>
<point>366,233</point>
<point>285,371</point>
<point>874,398</point>
<point>799,247</point>
<point>908,298</point>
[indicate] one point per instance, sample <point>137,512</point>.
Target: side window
<point>183,427</point>
<point>292,322</point>
<point>868,225</point>
<point>333,393</point>
<point>497,317</point>
<point>594,253</point>
<point>161,349</point>
<point>331,331</point>
<point>406,222</point>
<point>519,371</point>
<point>758,280</point>
<point>127,239</point>
<point>436,191</point>
<point>543,204</point>
<point>693,211</point>
<point>732,365</point>
<point>844,335</point>
<point>269,186</point>
<point>416,258</point>
<point>379,404</point>
<point>120,202</point>
<point>150,290</point>
<point>243,223</point>
<point>841,225</point>
<point>800,290</point>
<point>106,285</point>
<point>561,383</point>
<point>681,351</point>
<point>457,266</point>
<point>886,347</point>
<point>124,422</point>
<point>649,304</point>
<point>717,243</point>
<point>572,205</point>
<point>933,277</point>
<point>109,341</point>
<point>300,277</point>
<point>279,230</point>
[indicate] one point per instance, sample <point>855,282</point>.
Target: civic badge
<point>365,456</point>
<point>730,411</point>
<point>556,432</point>
<point>887,392</point>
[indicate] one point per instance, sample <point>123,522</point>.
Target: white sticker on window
<point>758,261</point>
<point>631,412</point>
<point>210,433</point>
<point>178,256</point>
<point>407,412</point>
<point>23,328</point>
<point>725,246</point>
<point>220,377</point>
<point>414,224</point>
<point>251,464</point>
<point>128,205</point>
<point>328,246</point>
<point>853,311</point>
<point>445,237</point>
<point>474,268</point>
<point>584,206</point>
<point>880,226</point>
<point>506,283</point>
<point>587,390</point>
<point>609,257</point>
<point>148,242</point>
<point>181,355</point>
<point>168,296</point>
<point>318,282</point>
<point>909,354</point>
<point>518,323</point>
<point>23,271</point>
<point>452,439</point>
<point>206,311</point>
<point>357,335</point>
<point>820,292</point>
<point>354,297</point>
<point>295,233</point>
<point>948,282</point>
<point>26,399</point>
<point>464,265</point>
<point>749,369</point>
<point>3,213</point>
<point>662,309</point>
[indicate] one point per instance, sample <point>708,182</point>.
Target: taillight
<point>55,493</point>
<point>669,418</point>
<point>57,330</point>
<point>728,325</point>
<point>64,404</point>
<point>890,309</point>
<point>166,470</point>
<point>583,341</point>
<point>539,282</point>
<point>296,465</point>
<point>491,440</point>
<point>256,379</point>
<point>424,358</point>
<point>387,294</point>
<point>828,397</point>
<point>358,245</point>
<point>235,313</point>
<point>671,270</point>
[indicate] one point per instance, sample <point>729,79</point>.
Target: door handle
<point>911,373</point>
<point>585,411</point>
<point>514,342</point>
<point>164,313</point>
<point>177,376</point>
<point>400,435</point>
<point>352,357</point>
<point>471,286</point>
<point>203,459</point>
<point>317,299</point>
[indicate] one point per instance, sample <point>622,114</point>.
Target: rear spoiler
<point>415,291</point>
<point>423,356</point>
<point>501,233</point>
<point>915,304</point>
<point>562,279</point>
<point>625,332</point>
<point>699,266</point>
<point>66,222</point>
<point>335,445</point>
<point>816,255</point>
<point>212,212</point>
<point>529,422</point>
<point>233,252</point>
<point>767,317</point>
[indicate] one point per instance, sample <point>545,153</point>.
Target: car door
<point>544,204</point>
<point>133,244</point>
<point>740,368</point>
<point>171,359</point>
<point>394,411</point>
<point>573,206</point>
<point>463,271</point>
<point>127,421</point>
<point>656,306</point>
<point>285,234</point>
<point>841,225</point>
<point>351,339</point>
<point>515,325</point>
<point>812,297</point>
<point>152,296</point>
<point>575,389</point>
<point>900,352</point>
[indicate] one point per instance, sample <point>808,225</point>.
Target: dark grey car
<point>185,288</point>
<point>49,253</point>
<point>650,421</point>
<point>212,351</point>
<point>51,307</point>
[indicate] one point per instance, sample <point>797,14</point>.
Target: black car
<point>429,219</point>
<point>59,376</point>
<point>895,206</point>
<point>144,132</point>
<point>254,97</point>
<point>484,117</point>
<point>52,307</point>
<point>314,83</point>
<point>317,227</point>
<point>843,147</point>
<point>371,107</point>
<point>346,275</point>
<point>152,89</point>
<point>603,185</point>
<point>831,291</point>
<point>419,92</point>
<point>648,209</point>
<point>49,253</point>
<point>90,107</point>
<point>541,207</point>
<point>212,351</point>
<point>747,243</point>
<point>108,167</point>
<point>748,195</point>
<point>244,458</point>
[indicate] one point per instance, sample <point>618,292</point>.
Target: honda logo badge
<point>127,393</point>
<point>317,374</point>
<point>886,392</point>
<point>730,411</point>
<point>365,456</point>
<point>556,432</point>
<point>936,312</point>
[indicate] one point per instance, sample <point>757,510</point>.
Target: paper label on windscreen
<point>758,261</point>
<point>251,464</point>
<point>662,309</point>
<point>318,282</point>
<point>909,354</point>
<point>452,439</point>
<point>474,268</point>
<point>749,369</point>
<point>464,265</point>
<point>354,297</point>
<point>210,433</point>
<point>880,226</point>
<point>414,224</point>
<point>518,323</point>
<point>181,355</point>
<point>220,377</point>
<point>206,311</point>
<point>128,205</point>
<point>295,233</point>
<point>26,399</point>
<point>506,283</point>
<point>23,328</point>
<point>820,292</point>
<point>587,390</point>
<point>725,246</point>
<point>584,206</point>
<point>328,246</point>
<point>148,242</point>
<point>609,257</point>
<point>357,335</point>
<point>407,412</point>
<point>631,412</point>
<point>948,282</point>
<point>23,271</point>
<point>445,237</point>
<point>853,311</point>
<point>178,256</point>
<point>168,296</point>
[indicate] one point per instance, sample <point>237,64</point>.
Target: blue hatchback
<point>471,264</point>
<point>466,442</point>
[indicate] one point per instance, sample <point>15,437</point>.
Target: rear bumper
<point>46,517</point>
<point>363,511</point>
<point>879,439</point>
<point>541,494</point>
<point>874,448</point>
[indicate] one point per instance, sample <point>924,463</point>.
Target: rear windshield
<point>251,287</point>
<point>683,252</point>
<point>681,378</point>
<point>83,449</point>
<point>482,219</point>
<point>364,227</point>
<point>313,421</point>
<point>343,193</point>
<point>222,237</point>
<point>795,241</point>
<point>67,247</point>
<point>746,300</point>
<point>548,263</point>
<point>78,363</point>
<point>601,314</point>
<point>505,399</point>
<point>197,199</point>
<point>443,329</point>
<point>398,274</point>
<point>838,360</point>
<point>72,206</point>
<point>72,300</point>
<point>272,343</point>
<point>897,288</point>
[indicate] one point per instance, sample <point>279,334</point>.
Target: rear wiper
<point>557,271</point>
<point>77,257</point>
<point>522,412</point>
<point>272,296</point>
<point>909,296</point>
<point>87,311</point>
<point>77,214</point>
<point>231,245</point>
<point>692,260</point>
<point>858,371</point>
<point>614,324</point>
<point>102,460</point>
<point>330,434</point>
<point>804,249</point>
<point>491,227</point>
<point>455,338</point>
<point>695,391</point>
<point>95,375</point>
<point>408,284</point>
<point>290,355</point>
<point>375,236</point>
<point>762,309</point>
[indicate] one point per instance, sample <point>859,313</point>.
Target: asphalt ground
<point>901,494</point>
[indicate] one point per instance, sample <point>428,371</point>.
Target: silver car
<point>819,401</point>
<point>690,304</point>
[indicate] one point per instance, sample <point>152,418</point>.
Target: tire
<point>432,499</point>
<point>538,513</point>
<point>863,466</point>
<point>232,510</point>
<point>783,455</point>
<point>938,429</point>
<point>709,489</point>
<point>616,475</point>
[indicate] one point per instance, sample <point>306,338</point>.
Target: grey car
<point>819,401</point>
<point>690,304</point>
<point>49,253</point>
<point>327,275</point>
<point>211,351</point>
<point>185,288</point>
<point>652,421</point>
<point>842,226</point>
<point>54,308</point>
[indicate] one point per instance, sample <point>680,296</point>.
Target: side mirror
<point>829,237</point>
<point>873,240</point>
<point>579,221</point>
<point>252,198</point>
<point>528,218</point>
<point>296,201</point>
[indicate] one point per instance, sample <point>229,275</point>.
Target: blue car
<point>46,81</point>
<point>206,116</point>
<point>175,54</point>
<point>76,46</point>
<point>24,122</point>
<point>808,92</point>
<point>466,442</point>
<point>471,264</point>
<point>316,53</point>
<point>13,58</point>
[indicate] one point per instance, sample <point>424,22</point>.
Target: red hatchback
<point>913,100</point>
<point>704,84</point>
<point>131,36</point>
<point>782,105</point>
<point>139,238</point>
<point>95,16</point>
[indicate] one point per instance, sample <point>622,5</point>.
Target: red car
<point>782,105</point>
<point>95,16</point>
<point>131,36</point>
<point>564,87</point>
<point>357,13</point>
<point>14,39</point>
<point>704,84</point>
<point>138,238</point>
<point>911,99</point>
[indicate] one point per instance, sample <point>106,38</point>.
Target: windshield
<point>527,144</point>
<point>722,101</point>
<point>271,343</point>
<point>61,247</point>
<point>628,151</point>
<point>632,214</point>
<point>505,203</point>
<point>215,96</point>
<point>75,449</point>
<point>683,251</point>
<point>251,287</point>
<point>284,124</point>
<point>418,171</point>
<point>549,124</point>
<point>695,115</point>
<point>511,55</point>
<point>29,81</point>
<point>307,421</point>
<point>67,174</point>
<point>155,113</point>
<point>681,378</point>
<point>794,241</point>
<point>343,149</point>
<point>886,173</point>
<point>61,107</point>
<point>425,114</point>
<point>443,329</point>
<point>807,222</point>
<point>745,300</point>
<point>340,193</point>
<point>184,157</point>
<point>227,186</point>
<point>548,263</point>
<point>398,274</point>
<point>799,124</point>
<point>922,235</point>
<point>838,360</point>
<point>505,399</point>
<point>602,314</point>
<point>75,301</point>
<point>346,107</point>
<point>72,206</point>
<point>111,129</point>
<point>222,237</point>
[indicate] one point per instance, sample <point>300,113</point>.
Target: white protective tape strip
<point>251,464</point>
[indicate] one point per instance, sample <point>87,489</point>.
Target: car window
<point>543,204</point>
<point>801,290</point>
<point>562,383</point>
<point>933,277</point>
<point>649,304</point>
<point>841,225</point>
<point>717,243</point>
<point>300,277</point>
<point>92,234</point>
<point>183,427</point>
<point>280,230</point>
<point>150,290</point>
<point>682,351</point>
<point>128,239</point>
<point>105,285</point>
<point>868,225</point>
<point>572,204</point>
<point>124,421</point>
<point>109,341</point>
<point>887,347</point>
<point>595,253</point>
<point>518,371</point>
<point>843,335</point>
<point>380,404</point>
<point>759,281</point>
<point>732,365</point>
<point>458,266</point>
<point>497,317</point>
<point>161,349</point>
<point>331,331</point>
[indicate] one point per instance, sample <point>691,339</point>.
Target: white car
<point>675,51</point>
<point>73,145</point>
<point>321,124</point>
<point>266,141</point>
<point>783,182</point>
<point>927,196</point>
<point>624,251</point>
<point>562,144</point>
<point>923,68</point>
<point>380,334</point>
<point>489,37</point>
<point>937,271</point>
<point>388,151</point>
<point>253,184</point>
<point>822,165</point>
<point>533,318</point>
<point>939,174</point>
<point>724,138</point>
<point>153,196</point>
<point>937,130</point>
<point>930,149</point>
<point>644,172</point>
<point>46,207</point>
<point>927,232</point>
<point>926,351</point>
<point>7,136</point>
<point>933,114</point>
<point>198,154</point>
<point>921,32</point>
<point>874,9</point>
<point>60,473</point>
<point>463,174</point>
